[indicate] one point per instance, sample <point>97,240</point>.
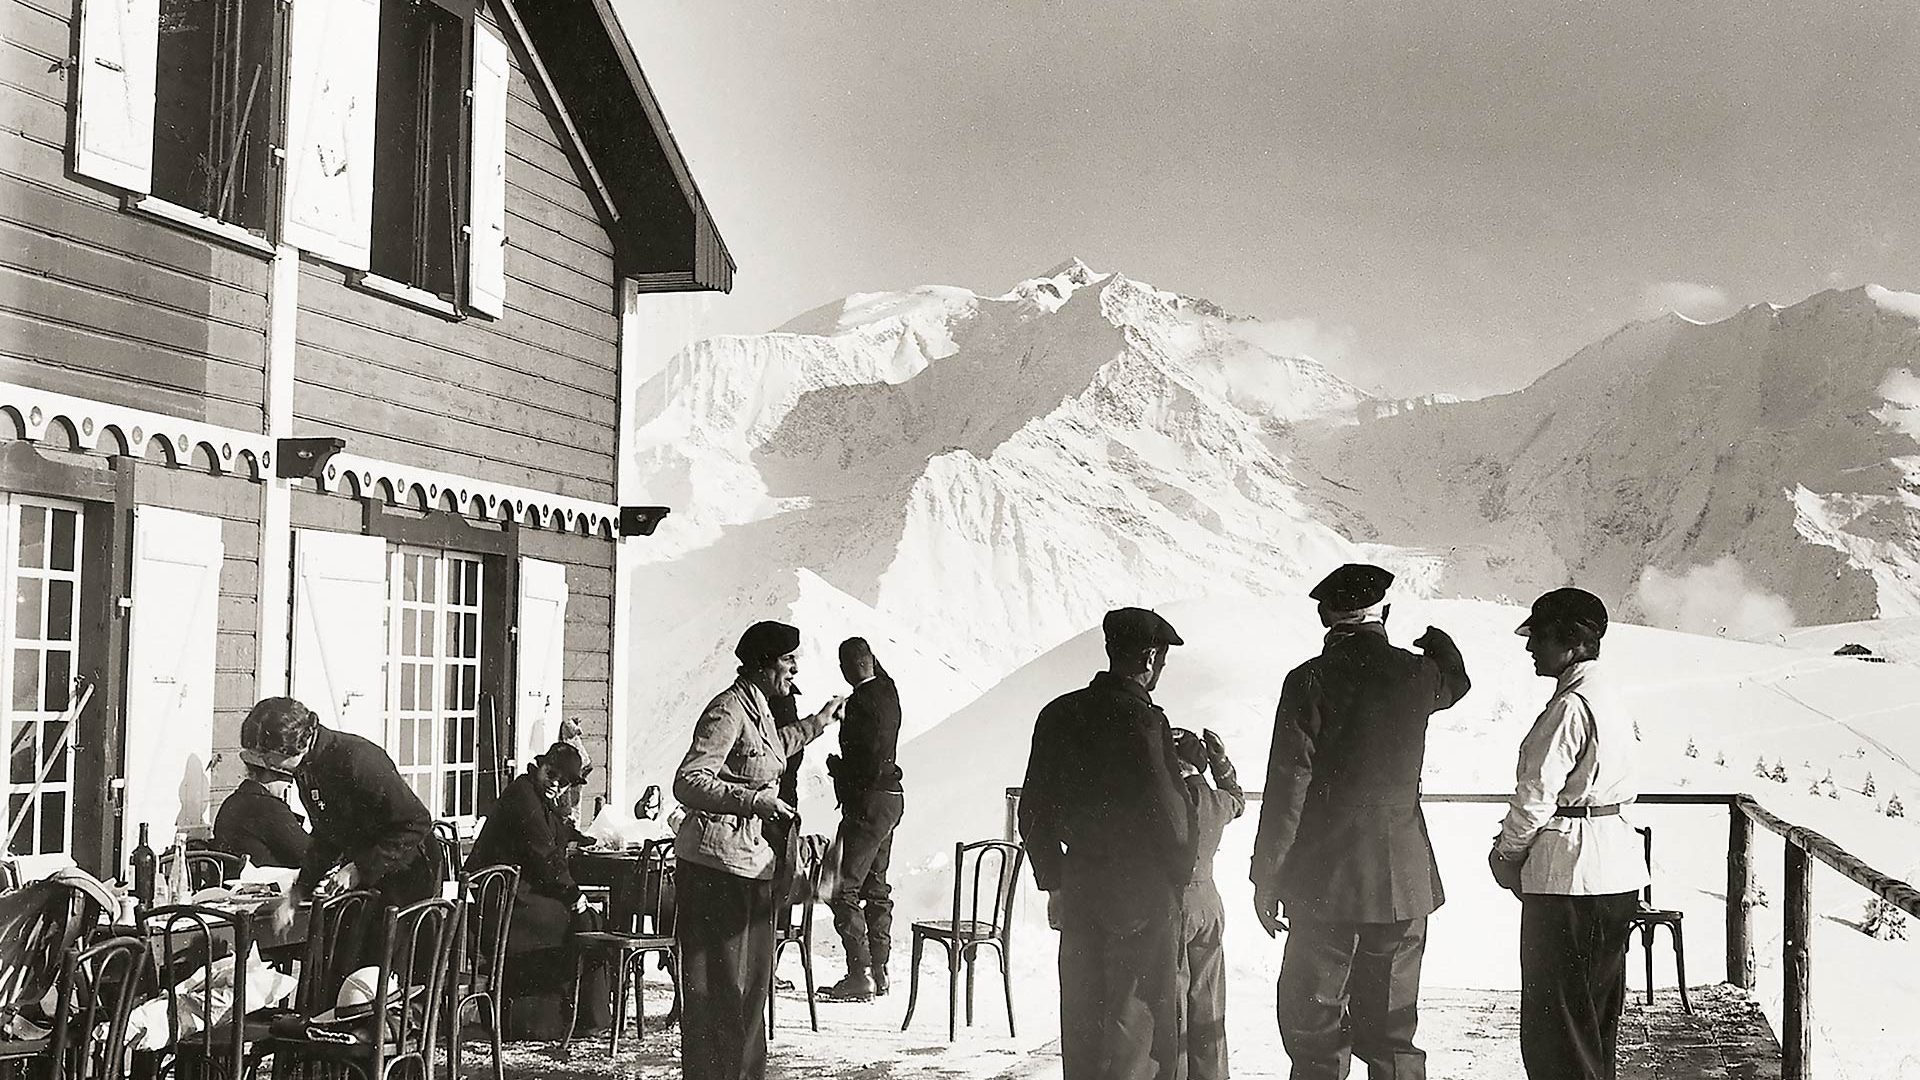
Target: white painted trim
<point>274,604</point>
<point>225,232</point>
<point>625,558</point>
<point>250,454</point>
<point>402,293</point>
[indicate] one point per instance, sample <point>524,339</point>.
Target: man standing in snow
<point>1203,961</point>
<point>1565,850</point>
<point>1108,827</point>
<point>867,783</point>
<point>1342,848</point>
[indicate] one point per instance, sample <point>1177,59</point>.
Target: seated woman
<point>529,829</point>
<point>255,821</point>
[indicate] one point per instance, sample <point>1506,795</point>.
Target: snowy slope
<point>1780,438</point>
<point>981,475</point>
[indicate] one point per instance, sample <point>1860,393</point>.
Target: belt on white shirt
<point>1602,810</point>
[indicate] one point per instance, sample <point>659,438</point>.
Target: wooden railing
<point>1803,845</point>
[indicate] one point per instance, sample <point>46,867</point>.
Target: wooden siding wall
<point>98,302</point>
<point>528,399</point>
<point>237,504</point>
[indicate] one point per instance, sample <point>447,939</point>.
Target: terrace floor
<point>1467,1034</point>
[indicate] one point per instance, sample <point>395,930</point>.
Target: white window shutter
<point>332,56</point>
<point>340,630</point>
<point>170,654</point>
<point>119,58</point>
<point>540,637</point>
<point>487,187</point>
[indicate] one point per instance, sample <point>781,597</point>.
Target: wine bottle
<point>177,881</point>
<point>143,869</point>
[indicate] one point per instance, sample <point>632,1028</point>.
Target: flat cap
<point>1134,625</point>
<point>1353,587</point>
<point>567,762</point>
<point>1566,607</point>
<point>766,639</point>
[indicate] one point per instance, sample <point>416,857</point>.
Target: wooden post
<point>1013,822</point>
<point>1796,1061</point>
<point>1740,962</point>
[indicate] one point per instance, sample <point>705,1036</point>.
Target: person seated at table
<point>530,829</point>
<point>370,831</point>
<point>255,821</point>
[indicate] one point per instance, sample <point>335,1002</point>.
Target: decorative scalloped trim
<point>117,430</point>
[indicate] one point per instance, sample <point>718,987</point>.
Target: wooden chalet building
<point>438,230</point>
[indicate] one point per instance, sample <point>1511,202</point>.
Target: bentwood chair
<point>183,940</point>
<point>97,988</point>
<point>962,939</point>
<point>480,958</point>
<point>1649,919</point>
<point>640,923</point>
<point>206,868</point>
<point>794,926</point>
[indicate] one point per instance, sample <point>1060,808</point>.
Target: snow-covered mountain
<point>1741,476</point>
<point>969,480</point>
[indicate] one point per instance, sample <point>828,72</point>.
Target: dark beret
<point>1566,607</point>
<point>767,639</point>
<point>566,760</point>
<point>1138,626</point>
<point>1353,587</point>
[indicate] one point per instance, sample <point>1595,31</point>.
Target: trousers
<point>1203,986</point>
<point>1119,985</point>
<point>862,900</point>
<point>1352,990</point>
<point>1573,982</point>
<point>725,936</point>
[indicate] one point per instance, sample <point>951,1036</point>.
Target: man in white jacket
<point>1566,850</point>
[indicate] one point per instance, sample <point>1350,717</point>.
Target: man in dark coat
<point>1109,832</point>
<point>255,821</point>
<point>529,829</point>
<point>1342,842</point>
<point>866,781</point>
<point>370,831</point>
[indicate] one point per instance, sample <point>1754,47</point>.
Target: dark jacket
<point>530,832</point>
<point>869,738</point>
<point>1342,837</point>
<point>254,822</point>
<point>1103,803</point>
<point>363,812</point>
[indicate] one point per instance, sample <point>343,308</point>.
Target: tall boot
<point>857,986</point>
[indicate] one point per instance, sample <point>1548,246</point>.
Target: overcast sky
<point>1426,196</point>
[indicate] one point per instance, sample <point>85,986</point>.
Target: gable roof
<point>579,59</point>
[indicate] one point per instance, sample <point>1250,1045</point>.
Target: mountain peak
<point>1074,270</point>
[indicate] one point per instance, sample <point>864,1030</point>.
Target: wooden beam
<point>1740,962</point>
<point>1796,963</point>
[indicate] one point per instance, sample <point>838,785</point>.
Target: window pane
<point>27,607</point>
<point>452,698</point>
<point>470,684</point>
<point>409,632</point>
<point>59,679</point>
<point>54,752</point>
<point>453,635</point>
<point>65,524</point>
<point>22,833</point>
<point>33,536</point>
<point>472,636</point>
<point>469,741</point>
<point>423,687</point>
<point>473,582</point>
<point>406,688</point>
<point>20,769</point>
<point>429,570</point>
<point>426,634</point>
<point>59,610</point>
<point>409,577</point>
<point>450,747</point>
<point>53,821</point>
<point>406,742</point>
<point>449,796</point>
<point>26,680</point>
<point>466,793</point>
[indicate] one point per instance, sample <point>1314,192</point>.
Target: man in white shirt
<point>1565,850</point>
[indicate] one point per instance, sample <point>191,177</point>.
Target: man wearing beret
<point>1108,827</point>
<point>1342,848</point>
<point>1565,849</point>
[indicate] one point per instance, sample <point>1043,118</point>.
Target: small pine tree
<point>1894,807</point>
<point>1814,788</point>
<point>1779,774</point>
<point>1866,786</point>
<point>1884,921</point>
<point>1757,894</point>
<point>1760,769</point>
<point>1692,750</point>
<point>1720,759</point>
<point>1636,731</point>
<point>1832,792</point>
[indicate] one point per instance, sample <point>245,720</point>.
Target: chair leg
<point>1646,947</point>
<point>1680,967</point>
<point>972,954</point>
<point>913,980</point>
<point>619,1007</point>
<point>1006,983</point>
<point>453,1038</point>
<point>573,1019</point>
<point>806,969</point>
<point>639,964</point>
<point>953,987</point>
<point>773,995</point>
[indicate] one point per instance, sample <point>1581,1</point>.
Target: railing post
<point>1013,809</point>
<point>1740,962</point>
<point>1796,963</point>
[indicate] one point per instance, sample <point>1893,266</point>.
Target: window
<point>434,633</point>
<point>42,540</point>
<point>418,172</point>
<point>214,91</point>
